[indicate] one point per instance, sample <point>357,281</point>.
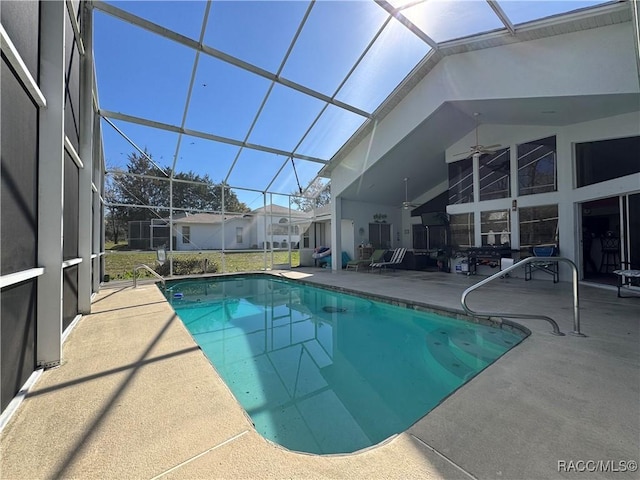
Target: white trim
<point>109,115</point>
<point>94,188</point>
<point>75,26</point>
<point>19,66</point>
<point>13,278</point>
<point>94,256</point>
<point>68,146</point>
<point>17,400</point>
<point>71,326</point>
<point>71,263</point>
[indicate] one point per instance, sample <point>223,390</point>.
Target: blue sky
<point>352,51</point>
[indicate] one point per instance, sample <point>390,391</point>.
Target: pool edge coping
<point>458,314</point>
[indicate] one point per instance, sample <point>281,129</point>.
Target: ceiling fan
<point>478,149</point>
<point>407,204</point>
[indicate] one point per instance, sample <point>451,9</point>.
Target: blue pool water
<point>325,372</point>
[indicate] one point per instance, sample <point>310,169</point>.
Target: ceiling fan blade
<point>463,153</point>
<point>490,147</point>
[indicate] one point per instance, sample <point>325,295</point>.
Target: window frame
<point>465,228</point>
<point>529,240</point>
<point>524,150</point>
<point>486,232</point>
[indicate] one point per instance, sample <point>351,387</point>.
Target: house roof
<point>204,218</point>
<point>274,209</point>
<point>211,218</point>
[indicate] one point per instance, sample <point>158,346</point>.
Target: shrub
<point>187,266</point>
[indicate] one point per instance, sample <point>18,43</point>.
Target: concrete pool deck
<point>135,398</point>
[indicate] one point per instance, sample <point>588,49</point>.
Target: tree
<point>115,221</point>
<point>132,188</point>
<point>190,190</point>
<point>317,195</point>
<point>145,186</point>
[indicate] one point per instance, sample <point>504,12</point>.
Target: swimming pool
<point>322,371</point>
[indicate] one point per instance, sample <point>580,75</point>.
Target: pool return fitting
<point>522,263</point>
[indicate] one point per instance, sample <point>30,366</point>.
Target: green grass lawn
<point>119,264</point>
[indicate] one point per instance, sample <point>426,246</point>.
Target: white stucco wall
<point>206,236</point>
<point>597,61</point>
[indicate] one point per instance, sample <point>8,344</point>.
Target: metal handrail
<point>521,263</point>
<point>151,271</point>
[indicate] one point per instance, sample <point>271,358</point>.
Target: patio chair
<point>376,256</point>
<point>396,259</point>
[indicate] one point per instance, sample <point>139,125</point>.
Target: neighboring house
<point>205,231</point>
<point>277,224</point>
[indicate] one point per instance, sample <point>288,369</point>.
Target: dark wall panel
<point>19,174</point>
<point>72,88</point>
<point>70,215</point>
<point>21,22</point>
<point>17,334</point>
<point>69,295</point>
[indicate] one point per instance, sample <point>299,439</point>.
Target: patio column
<point>85,193</point>
<point>336,233</point>
<point>51,184</point>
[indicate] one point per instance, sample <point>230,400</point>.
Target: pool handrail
<point>522,263</point>
<point>151,271</point>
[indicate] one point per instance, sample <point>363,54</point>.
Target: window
<point>495,175</point>
<point>537,166</point>
<point>495,227</point>
<point>186,234</point>
<point>305,238</point>
<point>239,235</point>
<point>461,181</point>
<point>380,235</point>
<point>605,160</point>
<point>538,225</point>
<point>461,229</point>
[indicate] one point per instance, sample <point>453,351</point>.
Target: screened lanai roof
<point>263,94</point>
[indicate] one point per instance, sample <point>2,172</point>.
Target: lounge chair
<point>396,259</point>
<point>376,256</point>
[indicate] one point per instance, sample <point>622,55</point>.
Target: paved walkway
<point>135,397</point>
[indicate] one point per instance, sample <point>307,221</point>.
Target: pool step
<point>464,352</point>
